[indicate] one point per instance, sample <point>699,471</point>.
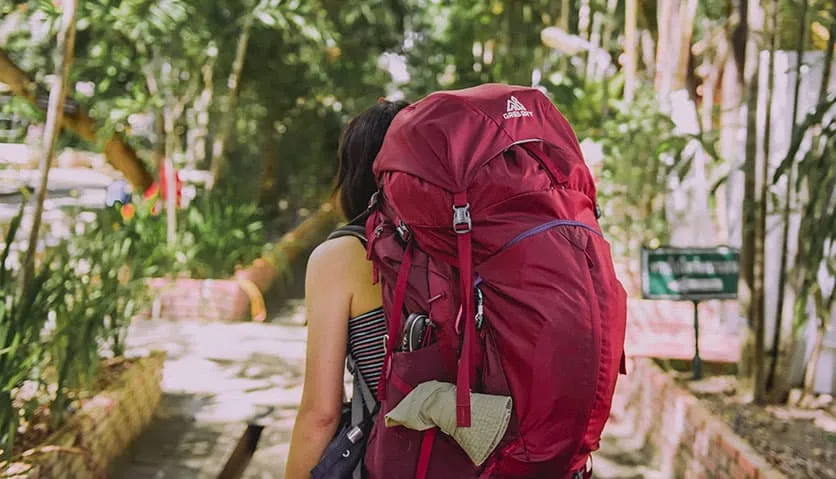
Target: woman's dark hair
<point>359,145</point>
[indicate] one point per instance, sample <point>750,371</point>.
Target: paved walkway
<point>219,375</point>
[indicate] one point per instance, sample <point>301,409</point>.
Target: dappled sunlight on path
<point>219,376</point>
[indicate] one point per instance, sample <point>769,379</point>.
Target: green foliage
<point>218,236</point>
<point>815,180</point>
<point>582,103</point>
<point>461,44</point>
<point>21,322</point>
<point>75,311</point>
<point>109,258</point>
<point>215,234</point>
<point>641,150</point>
<point>86,290</point>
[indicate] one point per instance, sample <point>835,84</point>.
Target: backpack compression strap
<point>462,226</point>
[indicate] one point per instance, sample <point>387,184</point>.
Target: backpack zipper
<point>547,226</point>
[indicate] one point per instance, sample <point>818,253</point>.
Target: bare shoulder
<point>338,255</point>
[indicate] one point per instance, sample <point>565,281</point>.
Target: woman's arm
<point>328,304</point>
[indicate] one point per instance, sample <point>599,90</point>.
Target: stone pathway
<point>217,377</point>
<point>220,375</point>
<point>622,456</point>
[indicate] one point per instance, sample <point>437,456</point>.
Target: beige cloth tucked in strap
<point>433,403</point>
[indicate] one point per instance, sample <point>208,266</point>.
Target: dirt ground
<point>801,443</point>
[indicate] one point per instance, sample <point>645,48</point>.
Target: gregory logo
<point>515,109</point>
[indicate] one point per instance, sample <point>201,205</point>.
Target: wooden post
<point>170,147</point>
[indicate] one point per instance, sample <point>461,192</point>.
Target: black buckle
<point>597,211</point>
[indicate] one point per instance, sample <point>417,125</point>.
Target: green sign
<point>690,273</point>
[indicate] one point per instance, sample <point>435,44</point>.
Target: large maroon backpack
<point>486,221</point>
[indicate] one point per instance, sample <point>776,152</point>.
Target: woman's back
<point>343,306</point>
<point>367,325</point>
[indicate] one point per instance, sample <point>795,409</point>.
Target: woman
<point>343,306</point>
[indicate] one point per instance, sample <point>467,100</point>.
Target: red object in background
<point>155,188</point>
<point>127,211</point>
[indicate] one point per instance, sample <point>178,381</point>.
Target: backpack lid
<point>445,137</point>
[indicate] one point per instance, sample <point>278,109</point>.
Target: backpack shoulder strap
<point>365,400</point>
<point>356,231</point>
<point>355,228</point>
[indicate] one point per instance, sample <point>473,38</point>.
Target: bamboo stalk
<point>785,218</point>
<point>760,230</point>
<point>749,213</point>
<point>55,111</point>
<point>824,317</point>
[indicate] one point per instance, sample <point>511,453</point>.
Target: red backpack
<point>486,222</point>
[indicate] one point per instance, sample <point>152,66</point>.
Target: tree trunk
<point>731,111</point>
<point>778,389</point>
<point>748,215</point>
<point>822,316</point>
<point>828,58</point>
<point>648,53</point>
<point>116,149</point>
<point>687,14</point>
<point>609,25</point>
<point>159,144</point>
<point>630,49</point>
<point>712,83</point>
<point>731,125</point>
<point>759,290</point>
<point>573,18</point>
<point>711,86</point>
<point>270,157</point>
<point>202,107</point>
<point>564,15</point>
<point>228,106</point>
<point>666,16</point>
<point>584,24</point>
<point>279,255</point>
<point>595,45</point>
<point>64,57</point>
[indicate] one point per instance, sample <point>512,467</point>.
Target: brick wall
<point>685,439</point>
<point>101,430</point>
<point>211,299</point>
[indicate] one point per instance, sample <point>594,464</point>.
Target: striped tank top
<point>365,342</point>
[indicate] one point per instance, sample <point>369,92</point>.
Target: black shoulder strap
<point>355,228</point>
<point>356,231</point>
